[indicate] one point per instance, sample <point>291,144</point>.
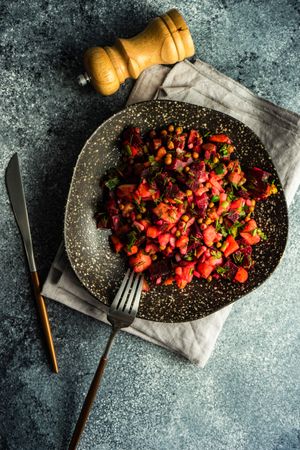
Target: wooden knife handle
<point>44,319</point>
<point>165,40</point>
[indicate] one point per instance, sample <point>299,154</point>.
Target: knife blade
<point>16,195</point>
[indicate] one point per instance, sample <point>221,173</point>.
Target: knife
<point>17,198</point>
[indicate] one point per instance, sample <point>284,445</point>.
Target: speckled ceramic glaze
<point>88,249</point>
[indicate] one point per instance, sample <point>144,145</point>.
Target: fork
<point>121,314</point>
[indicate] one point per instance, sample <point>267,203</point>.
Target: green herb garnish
<point>219,169</point>
<point>224,150</point>
<point>222,270</point>
<point>131,239</point>
<point>112,183</point>
<point>238,257</point>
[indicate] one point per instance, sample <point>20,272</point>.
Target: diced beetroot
<point>178,164</point>
<point>229,246</point>
<point>257,183</point>
<point>156,143</point>
<point>241,276</point>
<point>159,269</point>
<point>250,239</point>
<point>126,191</point>
<point>193,137</point>
<point>231,270</point>
<point>202,204</point>
<point>140,262</point>
<point>233,215</point>
<point>210,150</point>
<point>112,207</point>
<point>132,135</point>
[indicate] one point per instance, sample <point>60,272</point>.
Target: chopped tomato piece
<point>168,213</point>
<point>184,275</point>
<point>250,239</point>
<point>238,203</point>
<point>223,138</point>
<point>181,242</point>
<point>152,232</point>
<point>117,243</point>
<point>140,262</point>
<point>230,246</point>
<point>134,249</point>
<point>164,239</point>
<point>146,287</point>
<point>235,177</point>
<point>216,183</point>
<point>250,226</point>
<point>205,269</point>
<point>169,281</point>
<point>145,192</point>
<point>210,236</point>
<point>241,276</point>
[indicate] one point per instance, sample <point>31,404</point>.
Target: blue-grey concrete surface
<point>247,397</point>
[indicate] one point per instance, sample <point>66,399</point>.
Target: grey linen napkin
<point>278,129</point>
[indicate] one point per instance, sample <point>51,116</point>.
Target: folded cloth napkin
<point>278,129</point>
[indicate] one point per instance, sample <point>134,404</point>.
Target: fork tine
<point>117,298</point>
<point>137,297</point>
<point>126,292</point>
<point>127,305</point>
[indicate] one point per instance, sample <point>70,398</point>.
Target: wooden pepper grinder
<point>166,40</point>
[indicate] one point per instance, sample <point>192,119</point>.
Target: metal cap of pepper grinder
<point>83,79</point>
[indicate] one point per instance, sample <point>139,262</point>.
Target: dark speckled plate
<point>101,271</point>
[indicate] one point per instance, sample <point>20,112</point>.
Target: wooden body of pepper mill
<point>166,40</point>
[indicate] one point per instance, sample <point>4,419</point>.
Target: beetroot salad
<point>181,206</point>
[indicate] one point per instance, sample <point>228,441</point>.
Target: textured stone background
<point>247,397</point>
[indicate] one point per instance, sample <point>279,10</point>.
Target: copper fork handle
<point>91,395</point>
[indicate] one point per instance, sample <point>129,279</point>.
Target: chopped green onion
<point>261,234</point>
<point>219,169</point>
<point>215,198</point>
